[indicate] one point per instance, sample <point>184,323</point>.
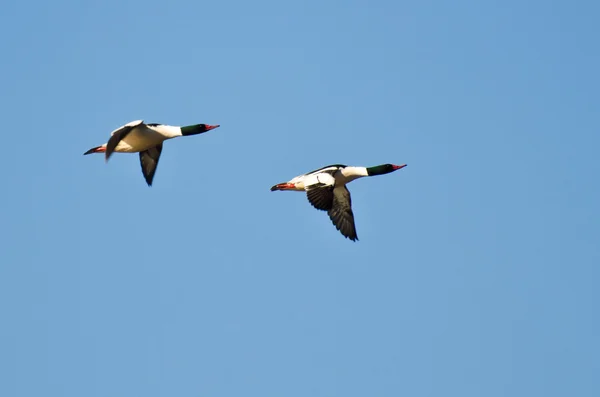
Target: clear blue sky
<point>477,268</point>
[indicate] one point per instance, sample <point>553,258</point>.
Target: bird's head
<point>197,129</point>
<point>384,169</point>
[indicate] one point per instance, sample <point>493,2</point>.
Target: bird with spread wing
<point>147,140</point>
<point>326,190</point>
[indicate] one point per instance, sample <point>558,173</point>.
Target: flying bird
<point>147,140</point>
<point>326,191</point>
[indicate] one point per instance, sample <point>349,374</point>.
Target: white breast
<point>349,174</point>
<point>139,139</point>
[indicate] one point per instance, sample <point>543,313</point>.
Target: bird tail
<point>283,186</point>
<point>97,149</point>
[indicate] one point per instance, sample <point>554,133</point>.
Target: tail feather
<point>283,186</point>
<point>97,149</point>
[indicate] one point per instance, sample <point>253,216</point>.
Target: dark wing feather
<point>332,169</point>
<point>116,137</point>
<point>149,161</point>
<point>341,213</point>
<point>321,197</point>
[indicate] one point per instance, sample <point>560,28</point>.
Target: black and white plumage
<point>326,191</point>
<point>147,140</point>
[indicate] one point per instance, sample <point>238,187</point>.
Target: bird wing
<point>149,161</point>
<point>117,135</point>
<point>332,169</point>
<point>341,212</point>
<point>319,190</point>
<point>321,198</point>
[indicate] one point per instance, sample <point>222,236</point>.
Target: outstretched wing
<point>341,212</point>
<point>321,198</point>
<point>319,190</point>
<point>149,161</point>
<point>117,135</point>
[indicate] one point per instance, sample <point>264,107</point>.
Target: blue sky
<point>477,267</point>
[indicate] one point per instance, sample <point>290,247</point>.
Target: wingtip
<point>148,180</point>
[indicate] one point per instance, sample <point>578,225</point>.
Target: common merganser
<point>326,190</point>
<point>147,140</point>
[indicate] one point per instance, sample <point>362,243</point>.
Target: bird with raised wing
<point>147,140</point>
<point>326,191</point>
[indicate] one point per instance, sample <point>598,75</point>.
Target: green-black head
<point>384,169</point>
<point>197,129</point>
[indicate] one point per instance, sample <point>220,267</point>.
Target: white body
<point>340,178</point>
<point>144,137</point>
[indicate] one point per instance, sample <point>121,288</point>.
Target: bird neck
<point>167,131</point>
<point>352,173</point>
